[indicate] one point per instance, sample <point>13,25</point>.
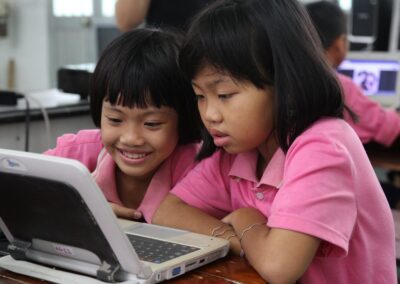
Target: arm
<point>278,255</point>
<point>84,146</point>
<point>130,13</point>
<point>170,214</point>
<point>375,122</point>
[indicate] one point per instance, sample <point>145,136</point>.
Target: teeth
<point>133,156</point>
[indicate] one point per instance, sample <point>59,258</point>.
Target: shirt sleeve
<point>175,168</point>
<point>317,196</point>
<point>375,122</point>
<point>84,146</point>
<point>206,186</point>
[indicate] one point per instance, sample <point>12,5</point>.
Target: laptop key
<point>157,251</point>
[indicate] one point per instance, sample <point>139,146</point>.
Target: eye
<point>199,97</point>
<point>113,120</point>
<point>153,124</point>
<point>225,96</point>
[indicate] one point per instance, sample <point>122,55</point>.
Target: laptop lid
<point>377,74</point>
<point>52,212</point>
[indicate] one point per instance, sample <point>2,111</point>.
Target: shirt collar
<point>104,175</point>
<point>245,167</point>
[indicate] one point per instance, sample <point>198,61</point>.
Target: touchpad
<point>154,231</point>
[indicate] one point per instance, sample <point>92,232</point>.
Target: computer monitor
<point>377,74</point>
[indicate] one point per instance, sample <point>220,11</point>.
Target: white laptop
<point>53,213</point>
<point>377,74</point>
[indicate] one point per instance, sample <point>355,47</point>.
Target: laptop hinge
<point>107,272</point>
<point>18,249</point>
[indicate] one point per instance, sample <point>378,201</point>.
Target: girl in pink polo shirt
<point>148,122</point>
<point>282,176</point>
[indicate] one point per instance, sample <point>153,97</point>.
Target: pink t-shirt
<point>375,122</point>
<point>324,186</point>
<point>86,147</point>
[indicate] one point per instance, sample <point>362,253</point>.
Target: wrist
<point>244,233</point>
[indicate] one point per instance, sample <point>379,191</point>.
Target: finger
<point>125,212</point>
<point>226,219</point>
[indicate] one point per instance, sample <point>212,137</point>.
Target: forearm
<point>278,255</point>
<point>130,13</point>
<point>175,213</point>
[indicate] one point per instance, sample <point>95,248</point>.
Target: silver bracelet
<point>223,232</point>
<point>248,229</point>
<point>214,230</point>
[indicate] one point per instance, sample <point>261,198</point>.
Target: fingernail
<point>137,215</point>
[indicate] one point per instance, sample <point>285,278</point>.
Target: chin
<point>232,150</point>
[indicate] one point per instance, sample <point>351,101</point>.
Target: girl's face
<point>238,115</point>
<point>139,139</point>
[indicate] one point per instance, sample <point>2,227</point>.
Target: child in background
<point>288,176</point>
<point>375,123</point>
<point>148,122</point>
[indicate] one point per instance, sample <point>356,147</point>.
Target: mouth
<point>220,139</point>
<point>133,155</point>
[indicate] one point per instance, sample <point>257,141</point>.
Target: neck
<point>131,190</point>
<point>266,150</point>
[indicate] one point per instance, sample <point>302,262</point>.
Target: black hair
<point>268,43</point>
<point>140,68</point>
<point>329,20</point>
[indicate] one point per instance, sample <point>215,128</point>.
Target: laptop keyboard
<point>157,251</point>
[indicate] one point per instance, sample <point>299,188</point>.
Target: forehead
<point>149,110</point>
<point>210,76</point>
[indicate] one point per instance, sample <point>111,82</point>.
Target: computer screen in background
<point>377,74</point>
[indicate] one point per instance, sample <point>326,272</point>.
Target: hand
<point>125,212</point>
<point>243,217</point>
<point>227,219</point>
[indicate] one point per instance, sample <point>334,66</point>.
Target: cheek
<point>105,135</point>
<point>168,138</point>
<point>202,109</point>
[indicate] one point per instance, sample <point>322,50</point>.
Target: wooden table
<point>231,269</point>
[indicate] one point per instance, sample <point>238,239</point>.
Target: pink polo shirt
<point>324,186</point>
<point>375,122</point>
<point>86,147</point>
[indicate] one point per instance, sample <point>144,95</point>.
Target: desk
<point>63,119</point>
<point>387,158</point>
<point>232,269</point>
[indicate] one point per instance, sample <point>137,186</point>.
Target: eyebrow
<point>213,83</point>
<point>146,112</point>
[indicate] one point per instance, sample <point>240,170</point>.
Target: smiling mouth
<point>133,155</point>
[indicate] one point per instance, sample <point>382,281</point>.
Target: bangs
<point>225,38</point>
<point>145,85</point>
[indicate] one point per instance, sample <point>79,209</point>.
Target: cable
<point>45,117</point>
<point>27,124</point>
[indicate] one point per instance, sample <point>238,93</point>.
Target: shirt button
<point>260,195</point>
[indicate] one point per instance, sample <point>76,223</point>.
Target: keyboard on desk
<point>157,251</point>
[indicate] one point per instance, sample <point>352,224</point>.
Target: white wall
<point>27,43</point>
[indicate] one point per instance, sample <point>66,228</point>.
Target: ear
<point>338,50</point>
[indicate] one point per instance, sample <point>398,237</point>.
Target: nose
<point>132,136</point>
<point>211,113</point>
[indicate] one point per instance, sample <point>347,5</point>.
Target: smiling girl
<point>148,122</point>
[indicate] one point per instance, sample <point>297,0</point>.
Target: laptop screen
<point>379,78</point>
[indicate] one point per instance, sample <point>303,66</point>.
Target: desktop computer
<point>363,21</point>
